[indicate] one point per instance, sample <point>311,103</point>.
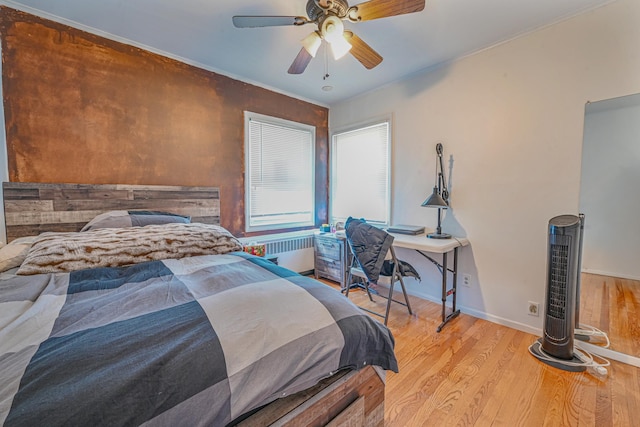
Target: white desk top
<point>421,242</point>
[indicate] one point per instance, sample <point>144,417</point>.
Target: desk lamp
<point>440,197</point>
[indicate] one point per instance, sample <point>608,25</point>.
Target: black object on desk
<point>406,229</point>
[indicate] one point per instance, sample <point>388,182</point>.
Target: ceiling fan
<point>328,16</point>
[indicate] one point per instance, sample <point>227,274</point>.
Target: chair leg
<point>366,287</point>
<point>404,291</point>
<point>389,300</point>
<point>349,279</point>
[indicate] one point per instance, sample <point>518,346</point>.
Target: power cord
<point>597,369</point>
<point>594,368</point>
<point>592,331</point>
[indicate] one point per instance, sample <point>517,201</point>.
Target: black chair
<point>373,258</point>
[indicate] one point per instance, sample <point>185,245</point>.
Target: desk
<point>423,245</point>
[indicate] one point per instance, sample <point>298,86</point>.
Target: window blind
<point>360,174</point>
<point>280,166</point>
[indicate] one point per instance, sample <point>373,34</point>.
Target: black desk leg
<point>444,289</point>
<point>455,277</point>
<point>454,312</point>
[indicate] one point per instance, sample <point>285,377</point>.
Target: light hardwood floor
<point>477,373</point>
<point>612,304</point>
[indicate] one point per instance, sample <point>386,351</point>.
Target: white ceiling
<point>200,32</point>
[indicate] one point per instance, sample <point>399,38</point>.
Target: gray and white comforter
<point>191,341</point>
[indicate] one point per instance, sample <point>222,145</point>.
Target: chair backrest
<point>369,246</point>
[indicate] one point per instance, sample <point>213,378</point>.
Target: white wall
<point>609,187</point>
<point>511,117</point>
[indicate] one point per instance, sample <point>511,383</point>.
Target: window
<point>280,178</point>
<point>360,177</point>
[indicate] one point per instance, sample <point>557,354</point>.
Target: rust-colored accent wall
<point>80,108</point>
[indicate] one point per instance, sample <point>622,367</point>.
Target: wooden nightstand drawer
<point>330,269</point>
<point>328,248</point>
<point>331,257</point>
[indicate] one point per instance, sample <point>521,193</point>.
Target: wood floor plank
<point>479,389</point>
<point>478,373</point>
<point>503,389</point>
<point>587,414</point>
<point>615,309</point>
<point>632,294</point>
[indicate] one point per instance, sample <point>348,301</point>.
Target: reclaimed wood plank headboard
<point>33,208</point>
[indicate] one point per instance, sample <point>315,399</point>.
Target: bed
<point>165,321</point>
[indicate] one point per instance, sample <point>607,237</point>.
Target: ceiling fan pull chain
<point>326,62</point>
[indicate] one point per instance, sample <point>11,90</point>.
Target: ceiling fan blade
<point>375,9</point>
<point>362,51</point>
<point>268,21</point>
<point>300,63</point>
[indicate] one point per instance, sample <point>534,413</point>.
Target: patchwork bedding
<point>192,341</point>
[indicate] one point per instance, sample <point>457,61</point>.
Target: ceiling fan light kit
<point>328,16</point>
<point>332,28</point>
<point>332,31</point>
<point>340,49</point>
<point>312,43</point>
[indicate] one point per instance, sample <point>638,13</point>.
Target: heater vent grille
<point>558,282</point>
<point>289,244</point>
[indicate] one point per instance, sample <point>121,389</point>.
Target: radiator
<point>288,244</point>
<point>294,250</point>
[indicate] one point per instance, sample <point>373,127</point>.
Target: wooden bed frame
<point>33,208</point>
<point>353,398</point>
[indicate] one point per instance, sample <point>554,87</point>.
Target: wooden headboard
<point>33,208</point>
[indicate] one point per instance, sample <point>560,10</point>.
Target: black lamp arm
<point>441,178</point>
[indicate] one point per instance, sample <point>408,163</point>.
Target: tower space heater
<point>562,304</point>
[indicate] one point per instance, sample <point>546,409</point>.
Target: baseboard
<point>610,274</point>
<point>478,314</point>
<point>501,321</point>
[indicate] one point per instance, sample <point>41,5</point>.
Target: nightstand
<point>331,257</point>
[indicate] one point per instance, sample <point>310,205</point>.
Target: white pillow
<point>121,219</point>
<point>13,254</point>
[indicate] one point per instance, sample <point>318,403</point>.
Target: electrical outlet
<point>466,280</point>
<point>534,309</point>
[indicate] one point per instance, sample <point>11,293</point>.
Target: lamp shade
<point>332,30</point>
<point>340,48</point>
<point>312,43</point>
<point>435,201</point>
